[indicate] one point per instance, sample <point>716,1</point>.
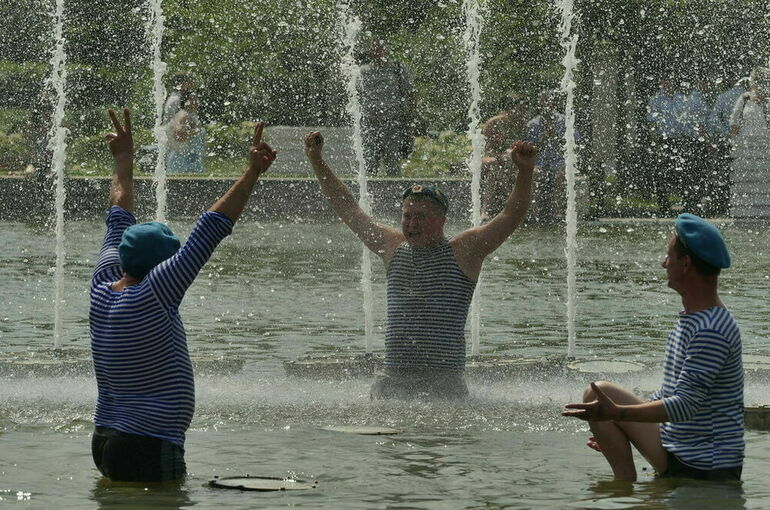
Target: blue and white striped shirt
<point>703,390</point>
<point>428,299</point>
<point>143,370</point>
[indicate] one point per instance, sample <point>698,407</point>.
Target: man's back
<point>703,390</point>
<point>142,366</point>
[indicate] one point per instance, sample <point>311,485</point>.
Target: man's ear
<point>687,262</point>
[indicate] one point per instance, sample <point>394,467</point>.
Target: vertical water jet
<point>351,71</point>
<point>474,21</point>
<point>568,41</point>
<point>58,146</point>
<point>154,29</point>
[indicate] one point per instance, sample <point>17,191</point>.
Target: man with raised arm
<point>430,279</point>
<point>146,393</point>
<point>692,427</point>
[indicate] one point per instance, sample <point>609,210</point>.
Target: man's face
<point>674,265</point>
<point>422,221</point>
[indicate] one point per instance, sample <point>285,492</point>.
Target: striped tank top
<point>428,299</point>
<point>703,390</point>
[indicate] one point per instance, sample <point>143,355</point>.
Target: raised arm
<point>121,144</point>
<point>380,239</point>
<point>261,156</point>
<point>472,245</point>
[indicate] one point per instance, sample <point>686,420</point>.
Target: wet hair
<point>702,267</point>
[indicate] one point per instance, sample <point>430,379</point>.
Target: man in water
<point>430,279</point>
<point>691,427</point>
<point>146,393</point>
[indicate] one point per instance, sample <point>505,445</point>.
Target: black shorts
<point>123,457</point>
<point>677,469</point>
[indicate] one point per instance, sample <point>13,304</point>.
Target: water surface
<point>275,292</point>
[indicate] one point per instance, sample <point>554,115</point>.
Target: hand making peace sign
<point>121,142</point>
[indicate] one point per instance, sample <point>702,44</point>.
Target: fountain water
<point>155,28</point>
<point>569,43</point>
<point>474,21</point>
<point>47,414</point>
<point>352,73</point>
<point>58,145</point>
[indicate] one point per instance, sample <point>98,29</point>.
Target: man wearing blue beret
<point>146,392</point>
<point>691,427</point>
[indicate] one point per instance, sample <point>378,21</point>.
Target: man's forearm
<point>517,205</point>
<point>232,203</point>
<point>122,187</point>
<point>340,198</point>
<point>648,412</point>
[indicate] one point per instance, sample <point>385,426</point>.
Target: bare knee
<point>589,395</point>
<point>616,393</point>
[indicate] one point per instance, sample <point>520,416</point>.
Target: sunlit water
<point>276,292</point>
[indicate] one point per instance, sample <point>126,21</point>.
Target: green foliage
<point>278,60</point>
<point>13,152</point>
<point>85,151</point>
<point>691,39</point>
<point>19,82</point>
<point>105,33</point>
<point>24,25</point>
<point>229,141</point>
<point>14,120</point>
<point>443,155</point>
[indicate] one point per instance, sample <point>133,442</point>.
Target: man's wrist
<point>526,168</point>
<point>256,172</point>
<point>124,162</point>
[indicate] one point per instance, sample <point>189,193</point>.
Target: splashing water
<point>155,28</point>
<point>474,21</point>
<point>58,145</point>
<point>351,26</point>
<point>569,62</point>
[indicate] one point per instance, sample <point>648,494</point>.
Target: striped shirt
<point>143,370</point>
<point>703,390</point>
<point>428,299</point>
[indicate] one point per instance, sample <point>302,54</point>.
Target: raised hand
<point>601,409</point>
<point>523,155</point>
<point>314,143</point>
<point>121,142</point>
<point>261,156</point>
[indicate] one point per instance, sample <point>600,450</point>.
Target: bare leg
<point>615,438</point>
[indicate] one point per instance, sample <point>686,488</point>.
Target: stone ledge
<point>293,199</point>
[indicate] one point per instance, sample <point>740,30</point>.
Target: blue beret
<point>703,239</point>
<point>144,246</point>
<point>428,191</point>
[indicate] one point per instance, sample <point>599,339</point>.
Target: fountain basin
<point>78,362</point>
<point>479,368</point>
